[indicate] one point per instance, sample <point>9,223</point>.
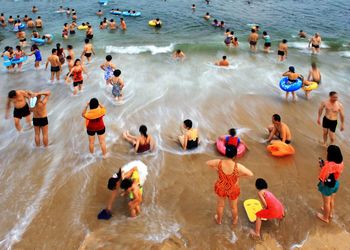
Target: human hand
<point>342,127</point>
<point>318,121</point>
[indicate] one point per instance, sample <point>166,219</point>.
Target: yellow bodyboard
<point>252,206</point>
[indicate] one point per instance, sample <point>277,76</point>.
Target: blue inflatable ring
<point>289,86</point>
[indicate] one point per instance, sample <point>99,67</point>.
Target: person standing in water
<point>117,85</point>
<point>282,50</point>
<point>21,109</point>
<point>89,32</point>
<point>142,143</point>
<point>190,139</point>
<point>95,124</point>
<point>77,73</point>
<point>279,129</point>
<point>38,23</point>
<point>314,74</point>
<point>36,52</point>
<point>292,77</point>
<point>328,181</point>
<point>227,185</point>
<point>302,34</point>
<point>108,67</point>
<point>40,121</point>
<point>273,208</point>
<point>332,108</point>
<point>122,24</point>
<point>267,44</point>
<point>55,65</point>
<point>179,55</point>
<point>253,40</point>
<point>223,62</point>
<point>315,43</point>
<point>88,50</point>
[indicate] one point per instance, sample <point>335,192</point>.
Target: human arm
<point>85,109</point>
<point>69,74</point>
<point>46,94</point>
<point>111,200</point>
<point>320,111</point>
<point>8,107</point>
<point>137,145</point>
<point>213,163</point>
<point>47,64</point>
<point>341,113</point>
<point>262,198</point>
<point>93,51</point>
<point>272,133</point>
<point>286,73</point>
<point>243,171</point>
<point>102,66</point>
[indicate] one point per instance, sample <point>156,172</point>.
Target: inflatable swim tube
<point>136,14</point>
<point>220,146</point>
<point>141,167</point>
<point>153,23</point>
<point>310,87</point>
<point>82,27</point>
<point>8,62</point>
<point>115,12</point>
<point>288,86</point>
<point>38,41</point>
<point>280,149</point>
<point>102,1</point>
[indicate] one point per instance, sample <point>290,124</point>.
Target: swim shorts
<point>21,112</point>
<point>327,191</point>
<point>252,43</point>
<point>88,55</point>
<point>280,53</point>
<point>75,84</point>
<point>315,46</point>
<point>329,124</point>
<point>267,45</point>
<point>40,122</point>
<point>55,69</point>
<point>99,132</point>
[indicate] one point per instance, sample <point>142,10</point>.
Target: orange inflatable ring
<point>280,149</point>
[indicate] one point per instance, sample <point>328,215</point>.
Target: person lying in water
<point>179,55</point>
<point>280,130</point>
<point>223,62</point>
<point>189,140</point>
<point>142,143</point>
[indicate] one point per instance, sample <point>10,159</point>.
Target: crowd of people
<point>32,107</point>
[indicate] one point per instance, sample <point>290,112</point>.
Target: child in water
<point>36,52</point>
<point>117,85</point>
<point>273,207</point>
<point>108,67</point>
<point>189,140</point>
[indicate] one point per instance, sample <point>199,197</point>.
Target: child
<point>18,54</point>
<point>117,85</point>
<point>235,42</point>
<point>273,207</point>
<point>70,63</point>
<point>232,139</point>
<point>189,140</point>
<point>36,52</point>
<point>108,67</point>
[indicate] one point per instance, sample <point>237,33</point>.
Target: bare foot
<point>216,219</point>
<point>320,216</point>
<point>331,215</point>
<point>254,234</point>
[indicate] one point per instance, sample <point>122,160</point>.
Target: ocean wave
<point>304,45</point>
<point>140,49</point>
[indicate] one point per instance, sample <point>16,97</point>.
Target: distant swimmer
<point>25,18</point>
<point>34,9</point>
<point>30,23</point>
<point>227,185</point>
<point>40,121</point>
<point>70,64</point>
<point>179,55</point>
<point>314,74</point>
<point>279,130</point>
<point>315,43</point>
<point>253,40</point>
<point>267,42</point>
<point>112,25</point>
<point>122,24</point>
<point>60,9</point>
<point>223,62</point>
<point>60,53</point>
<point>88,50</point>
<point>333,108</point>
<point>95,125</point>
<point>36,52</point>
<point>292,77</point>
<point>18,54</point>
<point>74,15</point>
<point>229,38</point>
<point>99,13</point>
<point>207,16</point>
<point>158,23</point>
<point>282,52</point>
<point>273,208</point>
<point>89,32</point>
<point>207,1</point>
<point>38,23</point>
<point>70,52</point>
<point>302,34</point>
<point>190,138</point>
<point>21,108</point>
<point>55,65</point>
<point>108,67</point>
<point>142,143</point>
<point>10,20</point>
<point>193,7</point>
<point>222,24</point>
<point>72,27</point>
<point>65,31</point>
<point>117,85</point>
<point>77,74</point>
<point>68,11</point>
<point>21,35</point>
<point>235,42</point>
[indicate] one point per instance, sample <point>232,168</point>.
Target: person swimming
<point>142,143</point>
<point>223,62</point>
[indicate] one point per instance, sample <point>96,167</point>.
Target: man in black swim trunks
<point>19,100</point>
<point>54,60</point>
<point>330,120</point>
<point>253,40</point>
<point>40,121</point>
<point>315,43</point>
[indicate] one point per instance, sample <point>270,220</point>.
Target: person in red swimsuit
<point>77,72</point>
<point>95,124</point>
<point>142,143</point>
<point>227,185</point>
<point>273,207</point>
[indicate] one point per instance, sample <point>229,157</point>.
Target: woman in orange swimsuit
<point>77,73</point>
<point>227,185</point>
<point>143,143</point>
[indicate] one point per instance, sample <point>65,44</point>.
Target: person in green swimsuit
<point>132,186</point>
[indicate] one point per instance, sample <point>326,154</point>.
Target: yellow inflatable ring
<point>153,23</point>
<point>312,86</point>
<point>81,27</point>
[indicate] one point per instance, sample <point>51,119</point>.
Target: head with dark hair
<point>253,30</point>
<point>69,46</point>
<point>34,47</point>
<point>126,184</point>
<point>112,21</point>
<point>333,96</point>
<point>284,41</point>
<point>112,182</point>
<point>12,94</point>
<point>313,65</point>
<point>292,69</point>
<point>301,31</point>
<point>178,51</point>
<point>69,58</point>
<point>121,19</point>
<point>157,19</point>
<point>276,118</point>
<point>6,48</point>
<point>108,58</point>
<point>334,154</point>
<point>332,93</point>
<point>232,132</point>
<point>77,62</point>
<point>264,33</point>
<point>143,130</point>
<point>58,45</point>
<point>188,124</point>
<point>261,184</point>
<point>87,40</point>
<point>231,151</point>
<point>54,51</point>
<point>93,103</point>
<point>18,47</point>
<point>224,57</point>
<point>117,72</point>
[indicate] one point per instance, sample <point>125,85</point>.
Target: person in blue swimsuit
<point>36,52</point>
